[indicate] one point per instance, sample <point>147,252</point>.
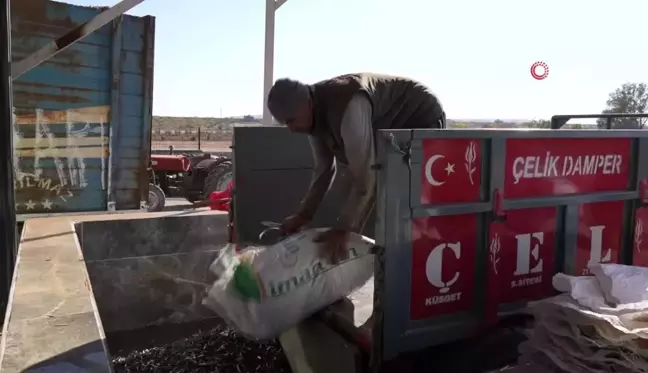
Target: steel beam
<point>48,51</point>
<point>557,121</point>
<point>268,62</point>
<point>279,3</point>
<point>8,233</point>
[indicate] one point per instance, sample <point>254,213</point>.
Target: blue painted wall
<point>82,119</point>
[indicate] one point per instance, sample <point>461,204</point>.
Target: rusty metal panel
<point>82,119</point>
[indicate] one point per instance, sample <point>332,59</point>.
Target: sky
<point>475,55</point>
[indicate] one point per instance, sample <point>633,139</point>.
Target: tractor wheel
<point>218,178</point>
<point>156,198</point>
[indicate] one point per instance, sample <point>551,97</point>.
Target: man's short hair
<point>285,97</point>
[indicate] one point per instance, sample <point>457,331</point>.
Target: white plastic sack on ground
<point>623,284</point>
<point>599,324</point>
<point>265,290</point>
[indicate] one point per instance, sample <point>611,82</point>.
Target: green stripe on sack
<point>245,282</point>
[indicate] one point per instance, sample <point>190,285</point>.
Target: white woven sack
<point>265,290</point>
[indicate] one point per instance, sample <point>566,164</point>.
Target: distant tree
<point>459,125</point>
<point>498,123</point>
<point>630,98</point>
<point>537,124</point>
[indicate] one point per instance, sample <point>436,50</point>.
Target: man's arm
<point>321,179</point>
<point>358,137</point>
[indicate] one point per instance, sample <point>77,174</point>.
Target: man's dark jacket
<point>397,103</point>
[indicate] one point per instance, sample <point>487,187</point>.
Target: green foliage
<point>536,124</point>
<point>630,98</point>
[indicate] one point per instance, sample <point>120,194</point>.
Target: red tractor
<point>193,177</point>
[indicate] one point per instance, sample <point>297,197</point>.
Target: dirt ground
<point>208,146</point>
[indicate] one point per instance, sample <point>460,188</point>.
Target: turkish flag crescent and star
<point>450,171</point>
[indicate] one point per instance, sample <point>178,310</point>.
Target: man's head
<point>290,103</point>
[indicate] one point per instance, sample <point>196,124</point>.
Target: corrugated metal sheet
<point>83,118</point>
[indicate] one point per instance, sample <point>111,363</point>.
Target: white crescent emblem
<point>428,170</point>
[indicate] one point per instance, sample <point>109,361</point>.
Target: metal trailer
<point>269,188</point>
<point>76,117</point>
<point>82,118</point>
<point>472,223</point>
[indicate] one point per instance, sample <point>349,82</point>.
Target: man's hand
<point>333,245</point>
<point>293,224</point>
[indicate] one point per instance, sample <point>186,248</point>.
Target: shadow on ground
<point>494,351</point>
<point>88,358</point>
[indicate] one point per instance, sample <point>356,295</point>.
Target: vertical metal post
<point>114,132</point>
<point>147,110</point>
<point>268,59</point>
<point>268,63</point>
<point>198,137</point>
<point>7,199</point>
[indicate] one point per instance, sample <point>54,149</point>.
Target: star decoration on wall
<point>31,205</point>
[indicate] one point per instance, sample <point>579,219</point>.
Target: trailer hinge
<point>643,192</point>
<point>498,206</point>
<point>405,150</point>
